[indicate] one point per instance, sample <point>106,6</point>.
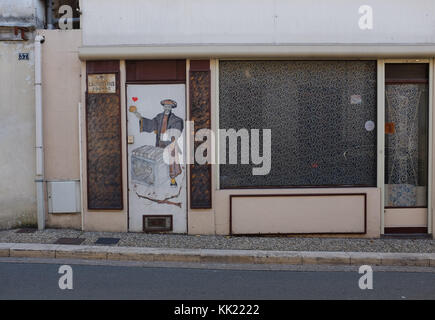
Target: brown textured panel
<point>156,71</point>
<point>406,72</point>
<point>107,66</point>
<point>104,162</point>
<point>200,65</point>
<point>200,113</point>
<point>404,230</point>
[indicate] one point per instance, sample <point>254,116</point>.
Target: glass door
<point>406,136</point>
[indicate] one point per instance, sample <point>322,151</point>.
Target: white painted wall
<point>17,115</point>
<point>148,22</point>
<point>17,136</point>
<point>22,13</point>
<point>61,96</point>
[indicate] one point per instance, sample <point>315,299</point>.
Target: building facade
<point>19,21</point>
<point>249,117</point>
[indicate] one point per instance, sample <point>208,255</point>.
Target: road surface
<point>35,279</point>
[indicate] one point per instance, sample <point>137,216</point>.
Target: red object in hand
<point>134,99</point>
<point>314,165</point>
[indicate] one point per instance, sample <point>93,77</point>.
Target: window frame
<point>266,187</point>
<point>381,137</point>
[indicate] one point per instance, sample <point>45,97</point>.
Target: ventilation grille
<point>157,223</point>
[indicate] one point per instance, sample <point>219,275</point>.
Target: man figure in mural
<point>159,125</point>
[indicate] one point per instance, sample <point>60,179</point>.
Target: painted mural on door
<point>157,173</point>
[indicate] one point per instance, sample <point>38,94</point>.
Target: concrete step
<point>56,251</point>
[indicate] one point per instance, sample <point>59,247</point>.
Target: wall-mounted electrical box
<point>63,196</point>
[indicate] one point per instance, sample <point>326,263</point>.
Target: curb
<point>54,251</point>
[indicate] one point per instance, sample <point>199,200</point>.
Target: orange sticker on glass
<point>389,128</point>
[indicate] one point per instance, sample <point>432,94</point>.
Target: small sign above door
<point>102,83</point>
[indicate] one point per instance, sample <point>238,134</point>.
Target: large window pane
<point>322,115</point>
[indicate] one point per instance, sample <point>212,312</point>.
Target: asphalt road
<point>30,280</point>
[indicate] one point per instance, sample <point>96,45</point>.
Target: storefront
<point>311,132</point>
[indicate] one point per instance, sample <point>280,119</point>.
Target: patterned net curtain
<point>406,145</point>
<point>322,117</point>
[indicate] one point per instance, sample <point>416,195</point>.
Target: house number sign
<point>23,56</point>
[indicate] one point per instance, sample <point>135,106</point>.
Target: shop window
<point>322,116</point>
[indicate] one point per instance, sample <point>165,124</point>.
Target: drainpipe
<point>49,4</point>
<point>81,165</point>
<point>39,179</point>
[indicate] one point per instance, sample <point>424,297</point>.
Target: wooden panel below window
<point>298,213</point>
<point>405,217</point>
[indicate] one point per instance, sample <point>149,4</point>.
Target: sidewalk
<point>51,243</point>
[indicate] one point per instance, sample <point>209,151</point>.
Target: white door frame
<point>186,101</point>
<point>381,136</point>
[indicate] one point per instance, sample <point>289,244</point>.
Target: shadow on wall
<point>27,219</point>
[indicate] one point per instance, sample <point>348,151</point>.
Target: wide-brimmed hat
<point>169,102</point>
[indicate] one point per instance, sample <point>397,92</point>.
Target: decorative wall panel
<point>200,113</point>
<point>103,124</point>
<point>156,173</point>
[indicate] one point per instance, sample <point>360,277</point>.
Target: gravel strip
<point>226,242</point>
